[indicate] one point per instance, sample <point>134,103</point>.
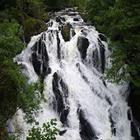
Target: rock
<point>58,19</point>
<point>134,101</point>
<point>95,59</point>
<point>62,132</point>
<point>72,13</point>
<point>102,56</point>
<point>75,19</point>
<point>82,44</point>
<point>86,130</point>
<point>135,130</point>
<point>66,32</point>
<point>61,98</point>
<point>113,127</point>
<point>58,47</point>
<point>72,32</point>
<point>102,37</point>
<point>40,58</point>
<point>63,116</point>
<point>36,63</point>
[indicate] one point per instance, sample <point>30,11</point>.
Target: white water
<point>86,89</point>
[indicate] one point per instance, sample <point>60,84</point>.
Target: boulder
<point>82,44</point>
<point>66,32</point>
<point>102,37</point>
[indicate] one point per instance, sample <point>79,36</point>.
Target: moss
<point>32,27</point>
<point>66,32</point>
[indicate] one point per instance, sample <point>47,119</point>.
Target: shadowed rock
<point>102,37</point>
<point>40,58</point>
<point>102,56</point>
<point>62,132</point>
<point>61,98</point>
<point>82,44</point>
<point>66,32</point>
<point>86,130</point>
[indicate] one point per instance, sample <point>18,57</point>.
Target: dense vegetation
<point>20,19</point>
<point>48,131</point>
<point>16,19</point>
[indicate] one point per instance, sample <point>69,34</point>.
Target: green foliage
<point>7,3</point>
<point>28,100</point>
<point>10,43</point>
<point>48,131</point>
<point>33,26</point>
<point>15,93</point>
<point>119,20</point>
<point>56,4</point>
<point>10,81</point>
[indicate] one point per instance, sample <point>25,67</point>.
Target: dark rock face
<point>58,47</point>
<point>61,97</point>
<point>76,19</point>
<point>73,32</point>
<point>66,32</point>
<point>135,130</point>
<point>95,59</point>
<point>86,130</point>
<point>99,57</point>
<point>113,128</point>
<point>102,56</point>
<point>134,103</point>
<point>72,13</point>
<point>62,132</point>
<point>58,19</point>
<point>129,114</point>
<point>102,37</point>
<point>40,58</point>
<point>83,44</point>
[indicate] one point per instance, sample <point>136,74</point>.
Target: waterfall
<point>71,57</point>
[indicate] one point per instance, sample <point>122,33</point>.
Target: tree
<point>48,131</point>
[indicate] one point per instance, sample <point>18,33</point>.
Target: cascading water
<point>71,57</point>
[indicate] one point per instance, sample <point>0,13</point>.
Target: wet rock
<point>58,19</point>
<point>66,32</point>
<point>134,101</point>
<point>102,37</point>
<point>113,128</point>
<point>75,19</point>
<point>60,97</point>
<point>108,100</point>
<point>72,13</point>
<point>36,63</point>
<point>129,114</point>
<point>84,32</point>
<point>40,58</point>
<point>72,32</point>
<point>82,44</point>
<point>62,132</point>
<point>86,130</point>
<point>63,116</point>
<point>63,19</point>
<point>95,59</point>
<point>58,47</point>
<point>135,130</point>
<point>102,56</point>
